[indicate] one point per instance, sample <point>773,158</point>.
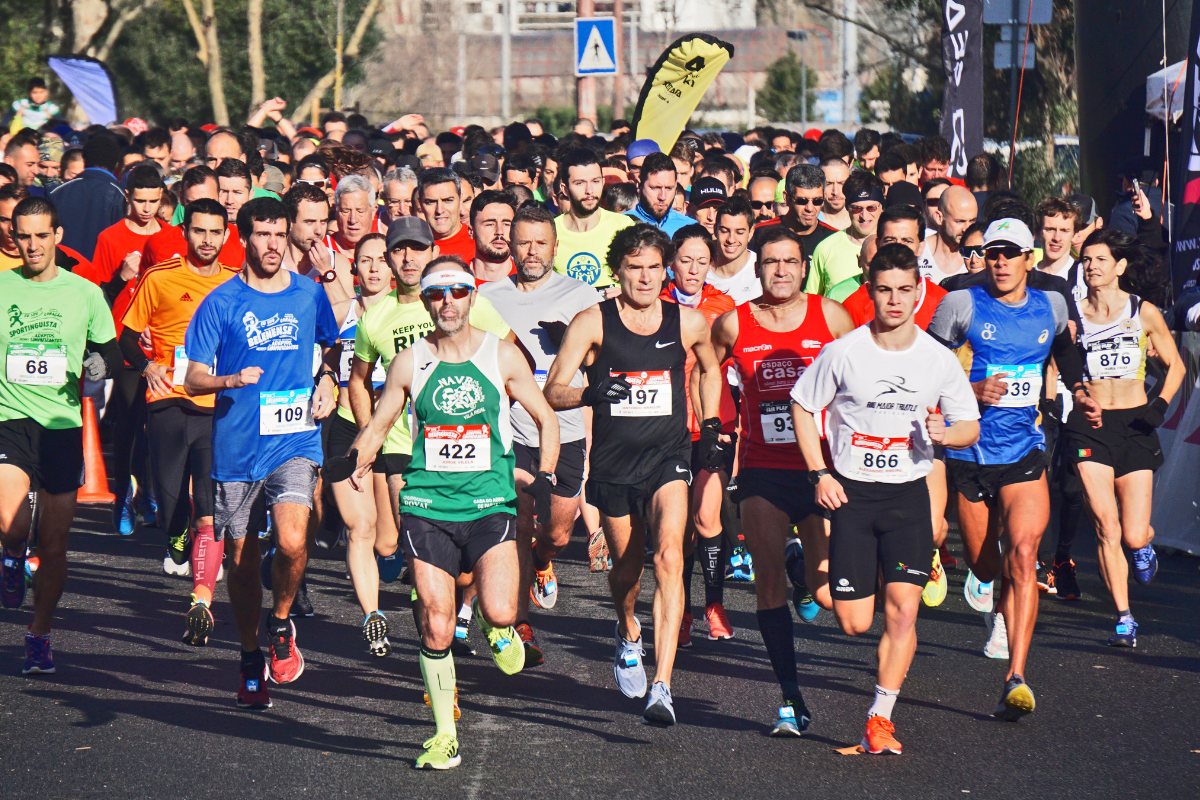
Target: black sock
<point>1068,521</point>
<point>274,623</point>
<point>712,562</point>
<point>776,627</point>
<point>689,565</point>
<point>252,659</point>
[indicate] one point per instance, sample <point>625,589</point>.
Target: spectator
<point>93,202</point>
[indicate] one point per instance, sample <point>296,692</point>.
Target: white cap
<point>1008,231</point>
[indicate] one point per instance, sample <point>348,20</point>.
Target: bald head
<point>221,146</point>
<point>182,151</point>
<point>959,211</point>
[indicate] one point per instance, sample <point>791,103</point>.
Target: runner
<point>940,258</point>
<point>539,304</point>
<point>260,330</point>
<point>197,183</point>
<point>439,201</point>
<point>460,500</point>
<point>1012,330</point>
<point>657,188</point>
<point>733,271</point>
<point>372,539</point>
<point>804,192</point>
<point>707,195</point>
<point>891,395</point>
<point>179,427</point>
<point>772,340</point>
<point>54,319</point>
<point>694,250</point>
<point>640,458</point>
<point>835,270</point>
<point>356,214</point>
<point>584,230</point>
<point>308,252</point>
<point>1116,457</point>
<point>834,213</point>
<point>491,224</point>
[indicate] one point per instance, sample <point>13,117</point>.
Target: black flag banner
<point>1185,260</point>
<point>962,61</point>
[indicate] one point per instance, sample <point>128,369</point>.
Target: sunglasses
<point>933,202</point>
<point>321,184</point>
<point>807,201</point>
<point>1009,252</point>
<point>971,250</point>
<point>759,205</point>
<point>436,294</point>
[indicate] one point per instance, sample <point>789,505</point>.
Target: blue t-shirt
<point>672,222</point>
<point>238,327</point>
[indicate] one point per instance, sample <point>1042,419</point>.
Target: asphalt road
<point>133,713</point>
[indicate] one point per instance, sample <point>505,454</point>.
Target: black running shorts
<point>569,471</point>
<point>454,547</point>
<point>342,433</point>
<point>786,489</point>
<point>883,527</point>
<point>979,482</point>
<point>624,499</point>
<point>1120,442</point>
<point>52,458</point>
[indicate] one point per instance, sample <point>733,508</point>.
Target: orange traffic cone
<point>95,476</point>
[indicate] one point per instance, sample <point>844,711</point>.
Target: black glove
<point>339,469</point>
<point>539,490</point>
<point>712,451</point>
<point>1153,413</point>
<point>555,330</point>
<point>1052,409</point>
<point>610,389</point>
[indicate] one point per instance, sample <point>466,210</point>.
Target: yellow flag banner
<point>675,84</point>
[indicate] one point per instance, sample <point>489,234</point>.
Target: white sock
<point>465,611</point>
<point>885,701</point>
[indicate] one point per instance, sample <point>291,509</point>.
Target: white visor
<point>447,277</point>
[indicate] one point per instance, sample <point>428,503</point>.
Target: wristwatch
<point>815,475</point>
<point>550,476</point>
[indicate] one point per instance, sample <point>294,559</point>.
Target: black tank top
<point>632,439</point>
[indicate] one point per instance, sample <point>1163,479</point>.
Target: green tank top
<point>462,456</point>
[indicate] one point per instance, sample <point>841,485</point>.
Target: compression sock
<point>885,701</point>
<point>437,670</point>
<point>206,563</point>
<point>1069,515</point>
<point>712,562</point>
<point>776,627</point>
<point>689,566</point>
<point>253,662</point>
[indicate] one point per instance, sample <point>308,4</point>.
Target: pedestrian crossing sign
<point>594,46</point>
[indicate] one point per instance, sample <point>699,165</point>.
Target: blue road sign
<point>594,47</point>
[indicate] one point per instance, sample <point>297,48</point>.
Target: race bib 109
<point>458,448</point>
<point>285,412</point>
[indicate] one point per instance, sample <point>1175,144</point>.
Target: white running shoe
<point>997,645</point>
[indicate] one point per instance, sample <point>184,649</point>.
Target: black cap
<point>409,229</point>
<point>380,147</point>
<point>408,160</point>
<point>708,190</point>
<point>903,193</point>
<point>1086,206</point>
<point>487,166</point>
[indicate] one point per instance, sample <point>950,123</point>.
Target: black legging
<point>126,413</point>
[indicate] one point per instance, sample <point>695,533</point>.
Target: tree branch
<point>197,31</point>
<point>326,80</point>
<point>126,16</point>
<point>923,60</point>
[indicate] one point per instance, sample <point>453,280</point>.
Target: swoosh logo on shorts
<point>660,345</point>
<point>681,469</point>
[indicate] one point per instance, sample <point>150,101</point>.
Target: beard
<point>532,270</point>
<point>491,254</point>
<point>451,326</point>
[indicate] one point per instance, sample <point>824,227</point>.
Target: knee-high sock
<point>1069,515</point>
<point>775,624</point>
<point>437,669</point>
<point>689,565</point>
<point>712,562</point>
<point>206,563</point>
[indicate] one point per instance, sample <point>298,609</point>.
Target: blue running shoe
<point>978,593</point>
<point>12,578</point>
<point>660,710</point>
<point>804,603</point>
<point>1145,564</point>
<point>627,666</point>
<point>391,566</point>
<point>264,571</point>
<point>1125,635</point>
<point>148,511</point>
<point>38,658</point>
<point>789,724</point>
<point>741,567</point>
<point>124,516</point>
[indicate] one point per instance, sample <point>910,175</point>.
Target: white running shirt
<point>742,287</point>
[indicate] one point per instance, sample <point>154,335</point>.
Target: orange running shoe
<point>457,710</point>
<point>718,622</point>
<point>544,589</point>
<point>685,630</point>
<point>878,738</point>
<point>533,650</point>
<point>597,552</point>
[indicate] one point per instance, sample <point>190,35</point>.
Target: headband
<point>447,277</point>
<point>875,194</point>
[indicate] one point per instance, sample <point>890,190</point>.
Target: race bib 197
<point>36,364</point>
<point>885,459</point>
<point>650,396</point>
<point>1024,384</point>
<point>458,448</point>
<point>285,412</point>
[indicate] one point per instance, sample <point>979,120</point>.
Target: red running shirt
<point>769,363</point>
<point>862,310</point>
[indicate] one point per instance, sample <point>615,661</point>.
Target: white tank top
<point>1114,349</point>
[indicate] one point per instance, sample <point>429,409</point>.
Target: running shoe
<point>802,599</point>
<point>12,578</point>
<point>457,710</point>
<point>200,624</point>
<point>880,737</point>
<point>178,552</point>
<point>718,622</point>
<point>789,724</point>
<point>265,570</point>
<point>1066,585</point>
<point>375,631</point>
<point>391,566</point>
<point>1125,635</point>
<point>31,568</point>
<point>301,605</point>
<point>533,651</point>
<point>39,660</point>
<point>286,662</point>
<point>685,630</point>
<point>1017,700</point>
<point>1045,582</point>
<point>253,692</point>
<point>948,559</point>
<point>935,589</point>
<point>441,752</point>
<point>659,708</point>
<point>1145,564</point>
<point>507,648</point>
<point>741,566</point>
<point>978,593</point>
<point>327,539</point>
<point>462,633</point>
<point>124,515</point>
<point>627,666</point>
<point>997,644</point>
<point>148,511</point>
<point>598,560</point>
<point>544,591</point>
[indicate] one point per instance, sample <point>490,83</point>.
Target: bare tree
<point>258,78</point>
<point>208,51</point>
<point>326,81</point>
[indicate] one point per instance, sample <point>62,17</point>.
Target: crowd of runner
<point>789,357</point>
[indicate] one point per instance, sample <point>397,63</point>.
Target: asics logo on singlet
<point>989,330</point>
<point>756,348</point>
<point>277,332</point>
<point>810,344</point>
<point>459,395</point>
<point>1045,335</point>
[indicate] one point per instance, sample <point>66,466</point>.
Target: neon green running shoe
<point>179,551</point>
<point>441,752</point>
<point>506,645</point>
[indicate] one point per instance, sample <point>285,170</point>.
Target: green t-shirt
<point>49,325</point>
<point>388,327</point>
<point>584,256</point>
<point>255,193</point>
<point>833,261</point>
